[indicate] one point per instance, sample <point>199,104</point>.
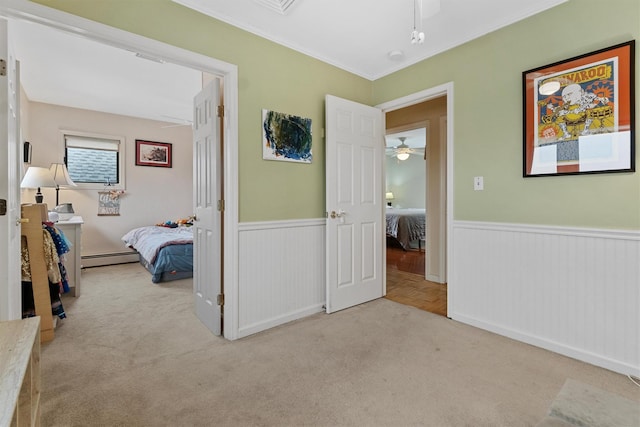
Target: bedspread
<point>149,240</point>
<point>405,225</point>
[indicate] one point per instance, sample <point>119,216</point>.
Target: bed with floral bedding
<point>166,252</point>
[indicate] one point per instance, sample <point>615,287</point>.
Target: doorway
<point>226,72</point>
<point>416,270</point>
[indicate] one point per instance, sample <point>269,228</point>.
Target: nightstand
<point>72,229</point>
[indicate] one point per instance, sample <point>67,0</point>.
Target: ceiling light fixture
<point>396,55</point>
<point>417,37</point>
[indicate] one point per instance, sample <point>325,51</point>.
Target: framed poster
<point>149,153</point>
<point>579,114</point>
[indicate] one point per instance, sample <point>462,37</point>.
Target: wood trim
<point>35,215</point>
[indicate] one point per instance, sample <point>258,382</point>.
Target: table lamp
<point>61,177</point>
<point>36,178</point>
<point>389,196</point>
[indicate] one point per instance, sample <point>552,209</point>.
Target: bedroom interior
<point>283,228</point>
<point>416,180</point>
<point>406,193</point>
<point>77,114</point>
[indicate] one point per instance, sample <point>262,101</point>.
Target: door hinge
<point>220,110</point>
<point>3,67</point>
<point>220,299</point>
<point>221,205</point>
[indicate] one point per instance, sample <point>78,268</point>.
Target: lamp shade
<point>37,177</point>
<point>61,175</point>
<point>389,195</point>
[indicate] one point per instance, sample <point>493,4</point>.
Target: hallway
<point>406,284</point>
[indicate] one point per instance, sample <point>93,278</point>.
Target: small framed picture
<point>27,150</point>
<point>149,153</point>
<point>286,137</point>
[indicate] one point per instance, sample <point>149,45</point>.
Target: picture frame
<point>27,151</point>
<point>151,153</point>
<point>286,137</point>
<point>579,113</point>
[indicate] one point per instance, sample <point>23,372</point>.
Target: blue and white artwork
<point>286,137</point>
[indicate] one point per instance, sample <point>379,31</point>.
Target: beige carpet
<point>132,353</point>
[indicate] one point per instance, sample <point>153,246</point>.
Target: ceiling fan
<point>403,151</point>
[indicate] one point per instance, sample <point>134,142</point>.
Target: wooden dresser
<point>20,372</point>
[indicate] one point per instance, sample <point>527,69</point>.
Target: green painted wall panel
<point>487,119</point>
<point>487,77</point>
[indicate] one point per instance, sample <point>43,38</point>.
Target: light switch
<point>478,183</point>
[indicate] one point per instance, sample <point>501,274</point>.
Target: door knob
<point>338,214</point>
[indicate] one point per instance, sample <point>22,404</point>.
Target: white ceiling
<point>64,69</point>
<point>355,35</point>
<point>358,35</point>
<point>415,138</point>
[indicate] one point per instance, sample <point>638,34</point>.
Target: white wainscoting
<point>281,272</point>
<point>573,291</point>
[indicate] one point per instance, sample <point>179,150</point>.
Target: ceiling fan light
<point>402,156</point>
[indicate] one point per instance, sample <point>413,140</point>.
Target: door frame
<point>32,12</point>
<point>445,89</point>
<point>10,297</point>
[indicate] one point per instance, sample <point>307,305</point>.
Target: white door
<point>10,290</point>
<point>207,199</point>
<point>355,208</point>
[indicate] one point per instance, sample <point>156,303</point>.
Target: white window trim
<point>121,152</point>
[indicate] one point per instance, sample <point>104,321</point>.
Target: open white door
<point>355,208</point>
<point>10,290</point>
<point>207,199</point>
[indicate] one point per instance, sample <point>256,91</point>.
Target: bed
<point>167,253</point>
<point>405,225</point>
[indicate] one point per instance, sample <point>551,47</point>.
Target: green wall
<point>487,118</point>
<point>270,76</point>
<point>487,78</point>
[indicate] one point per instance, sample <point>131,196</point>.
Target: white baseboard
<point>553,346</point>
<point>280,320</point>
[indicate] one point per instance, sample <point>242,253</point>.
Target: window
<point>95,161</point>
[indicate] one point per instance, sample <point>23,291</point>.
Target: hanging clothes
<point>54,246</point>
<point>62,245</point>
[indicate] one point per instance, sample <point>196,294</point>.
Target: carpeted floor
<point>580,404</point>
<point>132,353</point>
